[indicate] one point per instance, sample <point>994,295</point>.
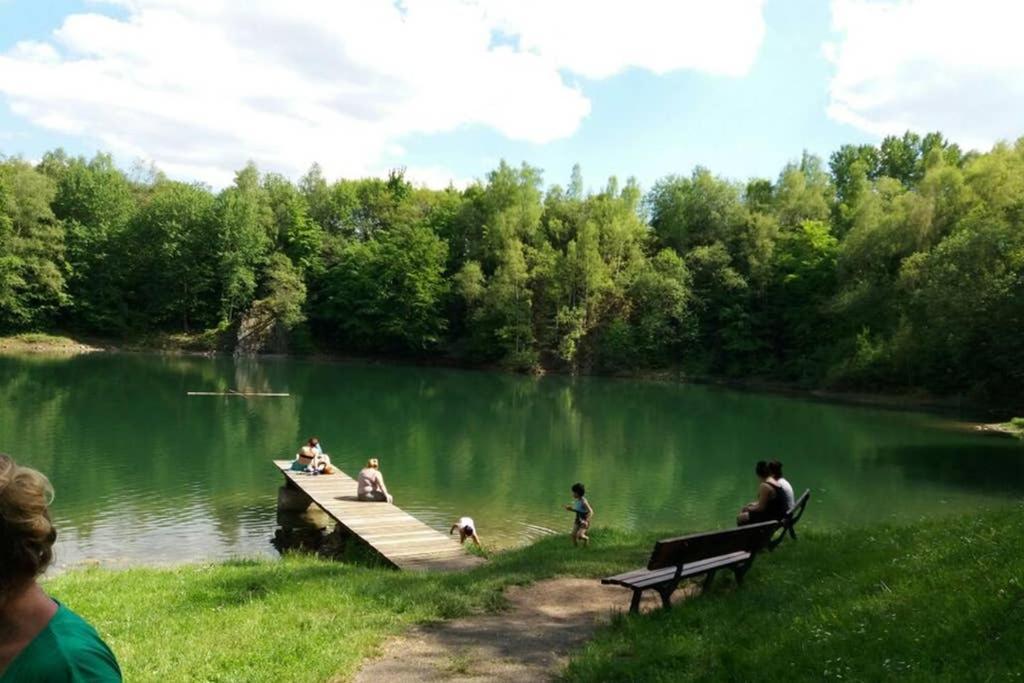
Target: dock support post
<point>292,499</point>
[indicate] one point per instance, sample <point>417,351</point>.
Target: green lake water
<point>145,473</point>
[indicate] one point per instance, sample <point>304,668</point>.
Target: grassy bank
<point>208,342</point>
<point>301,619</point>
<point>937,600</point>
<point>1014,428</point>
<point>39,342</point>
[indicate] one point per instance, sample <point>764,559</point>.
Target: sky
<point>448,88</point>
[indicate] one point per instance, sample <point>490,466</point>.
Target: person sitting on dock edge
<point>311,461</point>
<point>303,459</point>
<point>467,529</point>
<point>370,483</point>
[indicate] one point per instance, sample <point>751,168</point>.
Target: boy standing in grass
<point>581,506</point>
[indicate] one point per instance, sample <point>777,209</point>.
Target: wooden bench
<point>789,521</point>
<point>675,559</point>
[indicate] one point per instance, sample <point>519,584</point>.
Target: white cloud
<point>202,86</point>
<point>598,38</point>
<point>947,65</point>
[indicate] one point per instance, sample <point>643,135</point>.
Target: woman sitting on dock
<point>309,459</point>
<point>370,484</point>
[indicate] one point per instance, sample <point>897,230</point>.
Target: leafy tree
<point>502,323</point>
<point>96,203</point>
<point>174,281</point>
<point>696,211</point>
<point>387,293</point>
<point>804,282</point>
<point>723,307</point>
<point>246,225</point>
<point>510,208</point>
<point>285,293</point>
<point>803,193</point>
<point>294,232</point>
<point>32,266</point>
<point>661,320</point>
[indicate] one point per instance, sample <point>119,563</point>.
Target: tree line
<point>894,266</point>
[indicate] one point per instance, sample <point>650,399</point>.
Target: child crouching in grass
<point>584,513</point>
<point>467,529</point>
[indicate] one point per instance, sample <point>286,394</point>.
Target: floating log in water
<point>233,393</point>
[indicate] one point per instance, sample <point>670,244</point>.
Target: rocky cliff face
<point>260,332</point>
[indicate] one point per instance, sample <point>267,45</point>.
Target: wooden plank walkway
<point>400,538</point>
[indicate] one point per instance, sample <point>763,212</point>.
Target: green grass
<point>299,619</point>
<point>38,340</point>
<point>937,600</point>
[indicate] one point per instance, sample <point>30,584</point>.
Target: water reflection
<point>992,469</point>
<point>145,473</point>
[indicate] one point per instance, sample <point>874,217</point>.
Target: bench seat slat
<point>691,568</point>
<point>645,578</point>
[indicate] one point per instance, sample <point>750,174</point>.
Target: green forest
<point>887,268</point>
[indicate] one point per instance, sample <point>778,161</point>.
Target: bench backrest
<point>674,552</point>
<point>794,513</point>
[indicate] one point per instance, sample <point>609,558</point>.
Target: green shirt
<point>68,650</point>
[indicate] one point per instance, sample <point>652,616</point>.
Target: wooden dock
<point>400,538</point>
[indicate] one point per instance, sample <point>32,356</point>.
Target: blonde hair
<point>26,532</point>
<point>374,463</point>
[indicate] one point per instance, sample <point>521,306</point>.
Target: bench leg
<point>708,579</point>
<point>792,533</point>
<point>741,570</point>
<point>666,595</point>
<point>634,605</point>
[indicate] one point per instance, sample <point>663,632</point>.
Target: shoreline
<point>46,344</point>
<point>981,418</point>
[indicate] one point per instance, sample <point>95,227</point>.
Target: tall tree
<point>96,203</point>
<point>246,226</point>
<point>32,266</point>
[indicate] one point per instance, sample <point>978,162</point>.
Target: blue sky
<point>447,89</point>
<point>647,125</point>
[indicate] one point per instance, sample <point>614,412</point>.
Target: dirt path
<point>530,641</point>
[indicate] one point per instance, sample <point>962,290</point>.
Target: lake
<point>145,473</point>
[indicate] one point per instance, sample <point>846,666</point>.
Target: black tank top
<point>776,508</point>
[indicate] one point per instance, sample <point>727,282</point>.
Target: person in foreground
<point>771,500</point>
<point>40,639</point>
<point>775,468</point>
<point>370,483</point>
<point>584,513</point>
<point>467,529</point>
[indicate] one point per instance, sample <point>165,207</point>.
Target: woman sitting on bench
<point>771,499</point>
